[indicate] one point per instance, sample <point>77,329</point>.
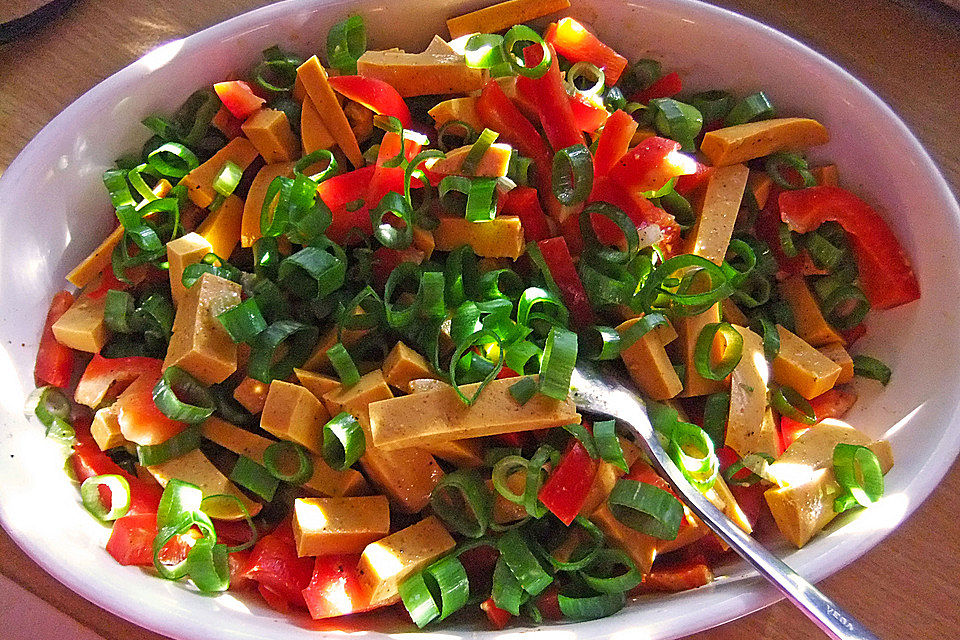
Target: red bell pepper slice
<point>587,115</point>
<point>498,617</point>
<point>514,439</point>
<point>566,489</point>
<point>238,97</point>
<point>830,404</point>
<point>614,142</point>
<point>557,256</point>
<point>751,501</point>
<point>885,271</point>
<point>687,184</point>
<point>140,420</point>
<point>572,40</point>
<point>131,540</point>
<point>664,87</point>
<point>335,588</point>
<point>347,189</point>
<point>689,573</point>
<point>386,179</point>
<point>524,202</point>
<point>375,94</point>
<point>54,360</point>
<point>651,164</point>
<point>640,210</point>
<point>275,566</point>
<point>552,102</point>
<point>854,334</point>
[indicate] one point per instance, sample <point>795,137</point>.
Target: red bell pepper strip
<point>614,142</point>
<point>572,40</point>
<point>587,115</point>
<point>640,210</point>
<point>566,489</point>
<point>524,202</point>
<point>514,438</point>
<point>854,334</point>
<point>498,617</point>
<point>238,97</point>
<point>385,178</point>
<point>885,271</point>
<point>275,566</point>
<point>560,262</point>
<point>687,184</point>
<point>552,102</point>
<point>375,94</point>
<point>347,189</point>
<point>751,501</point>
<point>54,360</point>
<point>335,588</point>
<point>131,540</point>
<point>499,113</point>
<point>651,164</point>
<point>140,420</point>
<point>687,574</point>
<point>830,404</point>
<point>664,87</point>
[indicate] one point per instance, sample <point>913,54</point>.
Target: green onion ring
<point>119,496</point>
<point>732,353</point>
<point>273,460</point>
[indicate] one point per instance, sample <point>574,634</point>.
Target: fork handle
<point>824,612</point>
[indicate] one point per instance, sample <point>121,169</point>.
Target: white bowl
<point>53,210</point>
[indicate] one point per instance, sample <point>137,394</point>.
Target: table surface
<point>907,51</point>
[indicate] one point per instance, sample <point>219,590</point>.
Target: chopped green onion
<point>685,303</point>
<point>523,390</point>
<point>591,607</point>
<point>572,174</point>
<point>714,105</point>
<point>715,412</point>
<point>484,51</point>
<point>536,476</point>
<point>788,243</point>
<point>273,460</point>
<point>506,591</point>
<point>227,179</point>
<point>756,106</point>
<point>173,159</point>
<point>858,471</point>
<point>845,307</point>
<point>592,244</point>
<point>614,99</point>
<point>521,33</point>
<point>771,337</point>
<point>48,404</point>
<point>445,581</point>
<point>463,502</point>
<point>824,253</point>
<point>522,563</point>
<point>474,339</point>
<point>119,496</point>
<point>481,200</point>
<point>115,180</point>
<point>645,324</point>
<point>468,136</point>
<point>788,402</point>
<point>600,343</point>
<point>608,444</point>
<point>559,360</point>
<point>676,120</point>
<point>732,352</point>
<point>580,560</point>
<point>867,367</point>
<point>174,380</point>
<point>266,348</point>
<point>253,476</point>
<point>184,442</point>
<point>277,73</point>
<point>193,272</point>
<point>501,283</point>
<point>700,470</point>
<point>757,463</point>
<point>646,508</point>
<point>313,158</point>
<point>775,163</point>
<point>118,311</point>
<point>645,72</point>
<point>590,73</point>
<point>209,567</point>
<point>472,160</point>
<point>393,204</point>
<point>346,42</point>
<point>580,432</point>
<point>503,469</point>
<point>596,574</point>
<point>533,296</point>
<point>343,364</point>
<point>343,441</point>
<point>244,321</point>
<point>61,431</point>
<point>312,272</point>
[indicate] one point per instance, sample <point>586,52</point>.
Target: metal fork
<point>600,392</point>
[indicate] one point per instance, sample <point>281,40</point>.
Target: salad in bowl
<point>324,358</point>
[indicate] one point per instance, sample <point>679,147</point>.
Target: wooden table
<point>907,51</point>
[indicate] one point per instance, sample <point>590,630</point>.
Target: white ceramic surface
<point>53,210</point>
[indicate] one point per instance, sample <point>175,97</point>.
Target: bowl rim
<point>748,594</point>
